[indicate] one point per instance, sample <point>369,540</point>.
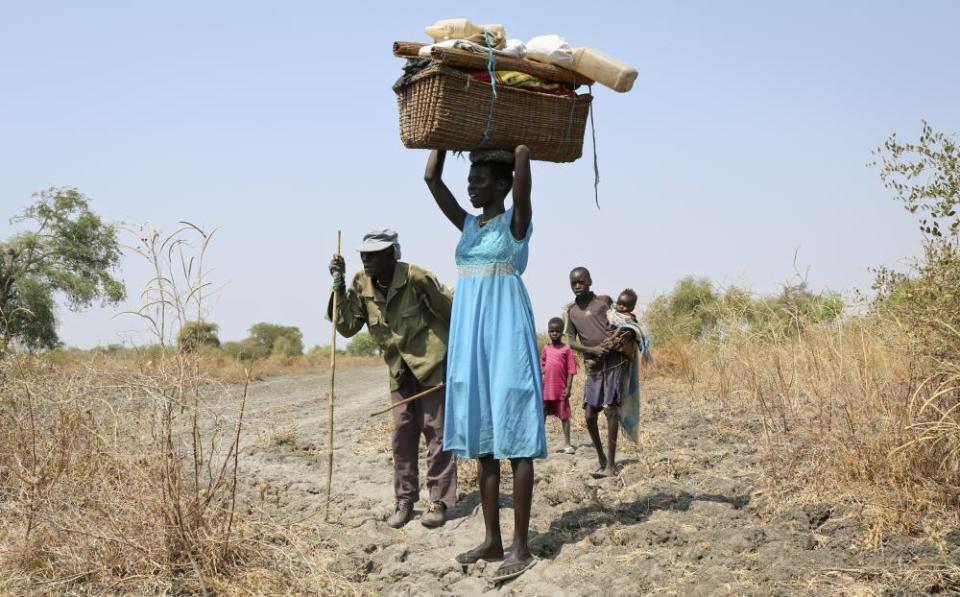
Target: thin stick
<point>236,461</point>
<point>422,394</point>
<point>333,378</point>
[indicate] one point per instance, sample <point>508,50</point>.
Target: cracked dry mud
<point>688,515</point>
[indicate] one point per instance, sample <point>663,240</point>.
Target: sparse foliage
<point>926,299</point>
<point>925,176</point>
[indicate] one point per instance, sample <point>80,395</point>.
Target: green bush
<point>795,308</point>
<point>284,347</point>
<point>318,352</point>
<point>149,352</point>
<point>243,351</point>
<point>196,334</point>
<point>694,310</point>
<point>926,301</point>
<point>265,336</point>
<point>322,353</point>
<point>362,345</point>
<point>687,312</point>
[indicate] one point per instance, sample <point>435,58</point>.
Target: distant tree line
<point>265,340</point>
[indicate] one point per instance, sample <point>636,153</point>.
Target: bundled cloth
<point>514,48</point>
<point>512,78</point>
<point>639,350</point>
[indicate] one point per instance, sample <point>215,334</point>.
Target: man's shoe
<point>435,515</point>
<point>403,511</point>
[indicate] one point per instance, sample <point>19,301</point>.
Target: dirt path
<point>686,515</point>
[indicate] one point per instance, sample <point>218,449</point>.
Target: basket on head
<point>444,108</point>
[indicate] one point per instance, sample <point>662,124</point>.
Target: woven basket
<point>443,108</point>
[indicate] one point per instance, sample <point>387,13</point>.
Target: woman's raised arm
<point>522,210</point>
<point>441,194</point>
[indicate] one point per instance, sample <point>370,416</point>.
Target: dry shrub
<point>122,477</point>
<point>674,359</point>
<point>848,410</point>
<point>119,475</point>
<point>114,478</point>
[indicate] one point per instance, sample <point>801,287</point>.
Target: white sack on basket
<point>551,49</point>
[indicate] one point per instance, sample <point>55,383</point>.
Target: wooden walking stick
<point>422,394</point>
<point>333,379</point>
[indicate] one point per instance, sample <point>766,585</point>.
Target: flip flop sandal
<point>569,450</point>
<point>600,473</point>
<point>512,570</point>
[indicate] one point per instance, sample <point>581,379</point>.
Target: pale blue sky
<point>743,141</point>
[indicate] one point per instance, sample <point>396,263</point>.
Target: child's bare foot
<point>605,471</point>
<point>484,551</point>
<point>600,472</point>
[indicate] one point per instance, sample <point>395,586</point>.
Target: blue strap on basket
<point>491,63</point>
<point>596,168</point>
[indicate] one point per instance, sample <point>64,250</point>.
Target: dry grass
<point>106,482</point>
<point>123,481</point>
<point>848,411</point>
<point>118,476</point>
<point>216,365</point>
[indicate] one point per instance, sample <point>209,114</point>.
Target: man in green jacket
<point>407,312</point>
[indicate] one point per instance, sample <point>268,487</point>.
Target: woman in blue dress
<point>494,406</point>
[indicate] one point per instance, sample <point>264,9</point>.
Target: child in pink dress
<point>559,367</point>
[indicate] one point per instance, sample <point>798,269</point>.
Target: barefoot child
<point>559,367</point>
<point>587,329</point>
